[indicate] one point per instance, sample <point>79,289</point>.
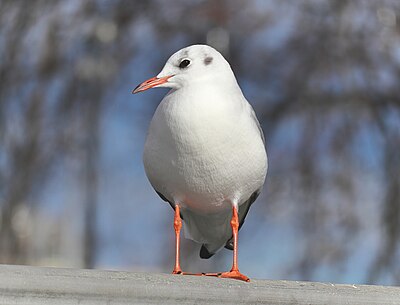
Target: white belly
<point>202,161</point>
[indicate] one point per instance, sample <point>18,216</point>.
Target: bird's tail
<point>211,230</point>
<point>204,253</point>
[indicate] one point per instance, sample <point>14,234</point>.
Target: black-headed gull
<point>205,151</point>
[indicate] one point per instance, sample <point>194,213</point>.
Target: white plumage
<point>204,149</point>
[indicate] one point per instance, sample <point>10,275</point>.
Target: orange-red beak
<point>150,83</point>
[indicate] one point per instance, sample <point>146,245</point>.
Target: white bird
<point>205,152</point>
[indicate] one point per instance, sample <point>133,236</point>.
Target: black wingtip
<point>229,244</point>
<point>204,253</point>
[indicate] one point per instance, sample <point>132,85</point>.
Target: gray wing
<point>255,120</point>
<point>243,210</point>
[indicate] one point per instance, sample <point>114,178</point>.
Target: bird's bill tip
<point>150,83</point>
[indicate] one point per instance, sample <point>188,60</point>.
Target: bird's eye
<point>184,63</point>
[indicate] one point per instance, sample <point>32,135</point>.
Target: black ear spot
<point>208,60</point>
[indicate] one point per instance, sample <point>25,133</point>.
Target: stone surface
<point>36,285</point>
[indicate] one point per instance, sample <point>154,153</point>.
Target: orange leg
<point>177,227</point>
<point>234,273</point>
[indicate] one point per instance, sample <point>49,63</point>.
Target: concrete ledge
<point>35,285</point>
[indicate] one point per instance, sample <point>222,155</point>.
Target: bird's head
<point>189,65</point>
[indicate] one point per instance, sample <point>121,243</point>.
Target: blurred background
<point>323,77</point>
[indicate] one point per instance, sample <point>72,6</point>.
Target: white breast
<point>204,151</point>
